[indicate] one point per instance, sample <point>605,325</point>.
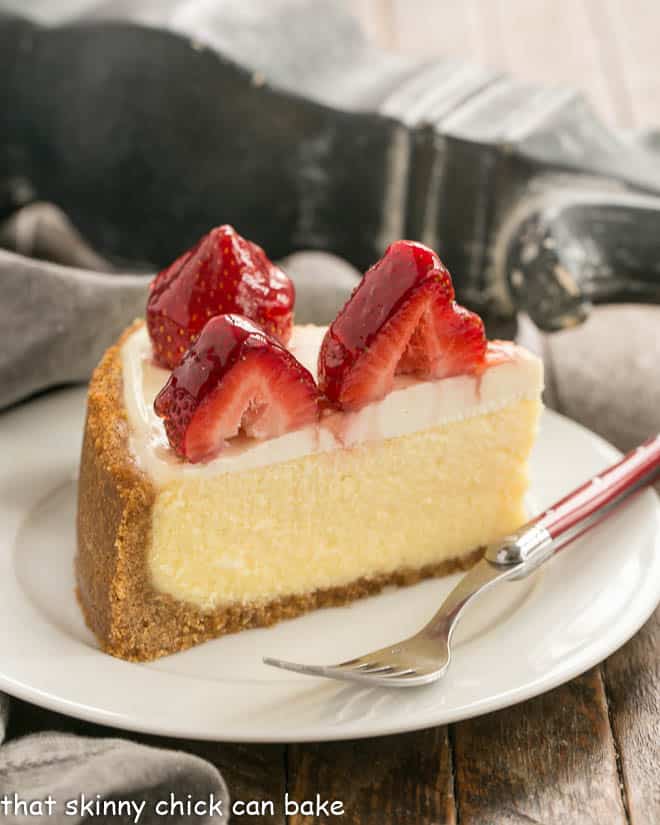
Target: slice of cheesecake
<point>387,482</point>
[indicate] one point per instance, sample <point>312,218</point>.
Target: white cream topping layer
<point>512,374</point>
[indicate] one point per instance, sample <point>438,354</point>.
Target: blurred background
<point>456,123</point>
<point>609,48</point>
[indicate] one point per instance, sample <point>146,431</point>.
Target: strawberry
<point>400,319</point>
<point>222,273</point>
<point>234,378</point>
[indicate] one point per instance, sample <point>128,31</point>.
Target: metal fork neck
<point>529,546</point>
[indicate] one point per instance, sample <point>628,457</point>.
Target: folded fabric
<point>604,374</point>
<point>56,321</point>
<point>60,778</point>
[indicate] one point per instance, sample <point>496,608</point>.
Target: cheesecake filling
<point>511,375</point>
<point>327,520</point>
<point>432,472</point>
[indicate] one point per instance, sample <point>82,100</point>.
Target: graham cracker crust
<point>130,619</point>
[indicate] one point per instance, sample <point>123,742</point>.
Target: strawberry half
<point>400,319</point>
<point>234,378</point>
<point>222,273</point>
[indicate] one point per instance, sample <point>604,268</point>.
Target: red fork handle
<point>639,467</point>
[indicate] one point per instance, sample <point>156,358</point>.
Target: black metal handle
<point>579,244</point>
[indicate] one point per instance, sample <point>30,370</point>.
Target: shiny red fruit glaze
<point>384,286</point>
<point>234,378</point>
<point>222,273</point>
<point>401,318</point>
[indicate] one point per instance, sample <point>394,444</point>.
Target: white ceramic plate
<point>523,639</point>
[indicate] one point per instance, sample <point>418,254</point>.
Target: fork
<point>425,657</point>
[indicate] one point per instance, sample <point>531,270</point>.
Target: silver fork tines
<point>357,671</point>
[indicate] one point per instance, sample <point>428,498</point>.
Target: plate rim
<point>175,727</point>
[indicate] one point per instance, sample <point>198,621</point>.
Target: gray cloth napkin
<point>604,374</point>
<point>77,774</point>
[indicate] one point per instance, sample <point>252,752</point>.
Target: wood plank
<point>632,682</point>
<point>252,772</point>
<point>549,760</point>
<point>376,19</point>
<point>543,41</point>
<point>609,47</point>
<point>402,779</point>
<point>633,27</point>
<point>467,31</point>
<point>553,42</point>
<point>439,28</point>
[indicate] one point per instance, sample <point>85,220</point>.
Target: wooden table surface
<point>587,752</point>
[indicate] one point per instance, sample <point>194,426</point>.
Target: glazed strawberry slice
<point>222,273</point>
<point>235,378</point>
<point>400,319</point>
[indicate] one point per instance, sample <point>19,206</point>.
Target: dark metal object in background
<point>277,116</point>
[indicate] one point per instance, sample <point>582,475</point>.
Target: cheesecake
<point>242,470</point>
